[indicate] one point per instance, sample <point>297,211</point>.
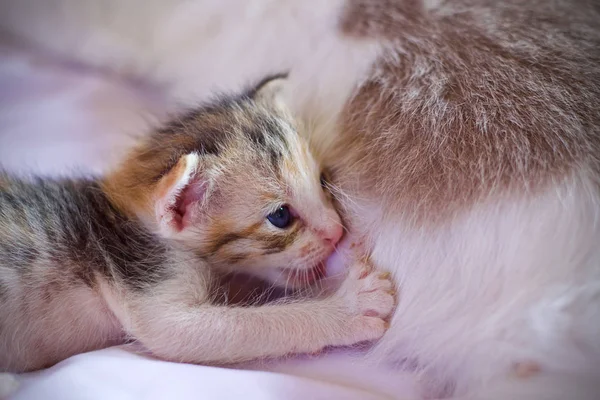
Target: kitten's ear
<point>180,195</point>
<point>270,91</point>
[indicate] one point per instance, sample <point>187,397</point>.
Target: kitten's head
<point>235,184</point>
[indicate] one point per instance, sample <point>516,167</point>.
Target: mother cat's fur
<point>466,134</point>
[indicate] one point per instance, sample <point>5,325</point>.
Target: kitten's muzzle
<point>304,276</point>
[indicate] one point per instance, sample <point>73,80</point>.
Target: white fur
<point>532,262</point>
<point>517,280</point>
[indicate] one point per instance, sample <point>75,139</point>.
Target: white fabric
<point>116,374</point>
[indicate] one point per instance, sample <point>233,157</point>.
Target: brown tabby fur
<point>494,114</point>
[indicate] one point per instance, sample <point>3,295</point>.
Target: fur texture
<point>464,136</point>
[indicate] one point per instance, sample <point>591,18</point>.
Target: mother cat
<point>465,136</point>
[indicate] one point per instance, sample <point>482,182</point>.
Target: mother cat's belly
<point>514,282</point>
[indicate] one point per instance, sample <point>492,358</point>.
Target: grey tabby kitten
<point>86,263</point>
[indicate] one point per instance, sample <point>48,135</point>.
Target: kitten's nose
<point>332,234</point>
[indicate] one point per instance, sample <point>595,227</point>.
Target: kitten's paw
<point>367,298</point>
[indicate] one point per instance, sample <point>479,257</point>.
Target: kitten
<point>86,263</point>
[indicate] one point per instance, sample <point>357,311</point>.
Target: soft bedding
<point>117,374</point>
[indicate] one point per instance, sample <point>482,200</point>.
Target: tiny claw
<point>385,275</point>
<point>363,273</point>
<point>315,353</point>
<point>386,325</point>
<point>527,369</point>
<point>392,292</point>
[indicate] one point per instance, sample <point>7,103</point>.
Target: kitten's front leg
<point>218,334</point>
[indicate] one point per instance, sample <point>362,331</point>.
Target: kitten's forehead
<point>274,156</point>
<point>300,172</point>
<point>274,138</point>
<point>300,166</point>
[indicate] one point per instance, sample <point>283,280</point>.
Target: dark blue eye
<point>282,218</point>
<point>323,181</point>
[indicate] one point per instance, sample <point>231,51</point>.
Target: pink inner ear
<point>184,205</point>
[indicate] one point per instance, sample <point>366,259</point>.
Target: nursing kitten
<point>86,263</point>
<point>464,135</point>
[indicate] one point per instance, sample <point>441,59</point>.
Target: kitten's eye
<point>281,218</point>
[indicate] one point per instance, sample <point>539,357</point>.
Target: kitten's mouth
<point>303,277</point>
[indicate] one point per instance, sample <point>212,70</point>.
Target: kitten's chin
<point>296,278</point>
